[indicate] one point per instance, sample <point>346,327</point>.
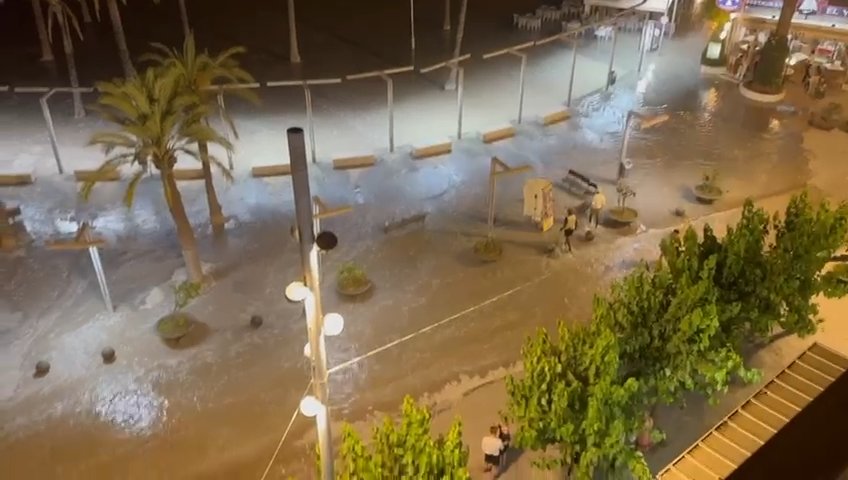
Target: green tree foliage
<point>804,241</point>
<point>570,397</point>
<point>668,323</point>
<point>405,449</point>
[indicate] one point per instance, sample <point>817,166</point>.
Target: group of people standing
<point>569,224</point>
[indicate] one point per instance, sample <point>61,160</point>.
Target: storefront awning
<point>748,428</point>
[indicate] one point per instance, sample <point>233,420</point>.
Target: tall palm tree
<point>446,23</point>
<point>157,120</point>
<point>460,31</point>
<point>118,30</point>
<point>200,72</point>
<point>86,13</point>
<point>41,28</point>
<point>59,12</point>
<point>184,18</point>
<point>294,51</point>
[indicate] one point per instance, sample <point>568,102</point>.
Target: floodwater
<point>216,407</point>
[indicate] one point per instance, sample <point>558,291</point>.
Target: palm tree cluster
<point>162,115</point>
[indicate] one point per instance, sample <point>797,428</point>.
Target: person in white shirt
<point>599,201</point>
<point>492,447</point>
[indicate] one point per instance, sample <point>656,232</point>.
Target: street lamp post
<point>48,118</point>
<point>612,57</point>
<point>309,293</point>
<point>515,50</point>
<point>412,28</point>
<point>307,96</point>
<point>390,96</point>
<point>460,86</point>
<point>638,120</point>
<point>222,111</point>
<point>574,41</point>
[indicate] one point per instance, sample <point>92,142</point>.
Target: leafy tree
<point>199,72</point>
<point>404,449</point>
<point>667,321</point>
<point>157,120</point>
<point>805,240</point>
<point>59,12</point>
<point>570,397</point>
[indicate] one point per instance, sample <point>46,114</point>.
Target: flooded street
<point>216,406</point>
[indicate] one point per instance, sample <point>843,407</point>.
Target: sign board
<point>729,5</point>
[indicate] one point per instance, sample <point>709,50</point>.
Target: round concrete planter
<point>175,326</point>
<point>710,70</point>
<point>761,97</point>
<point>707,193</point>
<point>623,215</point>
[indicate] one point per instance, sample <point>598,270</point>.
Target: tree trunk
<point>41,28</point>
<point>184,18</point>
<point>216,216</point>
<point>68,47</point>
<point>185,234</point>
<point>86,13</point>
<point>294,52</point>
<point>460,30</point>
<point>784,22</point>
<point>446,24</point>
<point>120,39</point>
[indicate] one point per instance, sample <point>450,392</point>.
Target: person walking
<point>492,447</point>
<point>569,225</point>
<point>599,201</point>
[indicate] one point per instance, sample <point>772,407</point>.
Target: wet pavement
<point>217,407</point>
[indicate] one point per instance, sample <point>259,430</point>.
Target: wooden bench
<point>432,151</point>
<point>278,170</point>
<point>555,117</point>
<point>350,163</point>
<point>96,176</point>
<point>15,179</point>
<point>498,135</point>
<point>188,174</point>
<point>582,182</point>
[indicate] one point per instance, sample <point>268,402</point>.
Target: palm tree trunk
<point>216,215</point>
<point>120,39</point>
<point>185,234</point>
<point>68,47</point>
<point>460,30</point>
<point>784,22</point>
<point>446,24</point>
<point>184,18</point>
<point>294,52</point>
<point>41,28</point>
<point>86,13</point>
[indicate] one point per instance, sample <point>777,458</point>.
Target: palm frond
<point>132,185</point>
<point>213,160</point>
<point>101,174</point>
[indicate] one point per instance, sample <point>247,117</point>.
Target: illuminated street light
<point>643,122</point>
<point>333,324</point>
<point>310,406</point>
<point>297,292</point>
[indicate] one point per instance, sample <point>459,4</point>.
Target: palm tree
<point>200,73</point>
<point>460,31</point>
<point>86,13</point>
<point>768,74</point>
<point>446,23</point>
<point>41,28</point>
<point>294,52</point>
<point>64,17</point>
<point>184,18</point>
<point>157,120</point>
<point>118,30</point>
